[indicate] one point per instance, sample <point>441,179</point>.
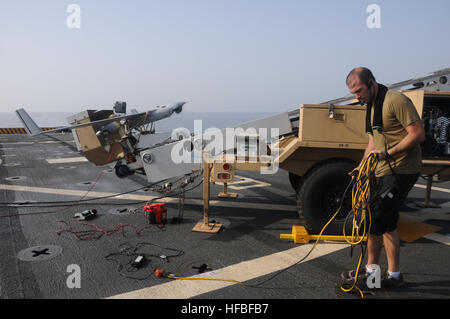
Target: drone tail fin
<point>30,126</point>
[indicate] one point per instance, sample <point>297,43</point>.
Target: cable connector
<point>86,215</point>
<point>159,273</point>
<point>138,262</point>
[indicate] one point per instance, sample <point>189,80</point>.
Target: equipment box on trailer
<point>434,108</point>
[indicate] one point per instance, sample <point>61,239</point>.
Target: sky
<point>222,56</point>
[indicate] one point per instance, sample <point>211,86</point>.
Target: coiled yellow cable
<point>361,210</point>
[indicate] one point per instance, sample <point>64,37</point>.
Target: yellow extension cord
<point>360,200</point>
<point>360,203</point>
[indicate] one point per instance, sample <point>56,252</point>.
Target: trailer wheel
<point>295,180</point>
<point>320,195</point>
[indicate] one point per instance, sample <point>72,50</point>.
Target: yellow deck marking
<point>411,230</point>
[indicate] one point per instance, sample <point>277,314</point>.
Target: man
<point>395,133</point>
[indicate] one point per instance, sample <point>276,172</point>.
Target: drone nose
<point>178,109</point>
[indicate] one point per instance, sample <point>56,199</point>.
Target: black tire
<point>295,181</point>
<point>320,195</point>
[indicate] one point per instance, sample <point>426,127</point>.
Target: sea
<point>182,120</point>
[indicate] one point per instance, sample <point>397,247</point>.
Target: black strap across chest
<point>378,111</point>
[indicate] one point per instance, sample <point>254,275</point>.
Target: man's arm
<point>415,136</point>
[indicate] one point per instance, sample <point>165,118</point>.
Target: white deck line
<point>244,271</point>
<point>66,160</point>
<point>92,194</point>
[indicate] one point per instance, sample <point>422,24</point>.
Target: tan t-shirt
<point>398,113</point>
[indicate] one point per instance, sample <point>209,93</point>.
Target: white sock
<point>370,269</point>
<point>394,274</point>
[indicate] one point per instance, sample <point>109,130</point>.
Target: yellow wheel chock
<point>301,236</point>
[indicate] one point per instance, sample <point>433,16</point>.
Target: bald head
<point>362,73</point>
<point>362,84</point>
